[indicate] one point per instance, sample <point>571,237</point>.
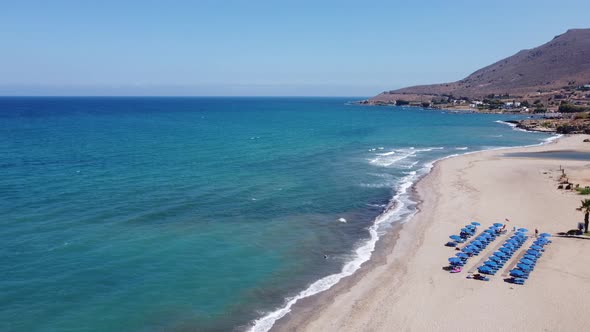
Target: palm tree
<point>585,207</point>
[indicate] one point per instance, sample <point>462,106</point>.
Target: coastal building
<point>512,104</point>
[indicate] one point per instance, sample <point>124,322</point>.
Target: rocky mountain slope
<point>563,61</point>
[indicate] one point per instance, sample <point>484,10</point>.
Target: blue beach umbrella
<point>527,261</point>
<point>477,243</point>
<point>495,259</point>
<point>536,247</point>
<point>470,226</point>
<point>524,230</point>
<point>519,234</point>
<point>532,252</point>
<point>466,250</point>
<point>499,254</point>
<point>475,223</point>
<point>489,231</point>
<point>455,237</point>
<point>505,250</point>
<point>516,273</point>
<point>524,267</point>
<point>454,260</point>
<point>498,224</point>
<point>530,257</point>
<point>485,235</point>
<point>545,234</point>
<point>484,269</point>
<point>491,263</point>
<point>461,255</point>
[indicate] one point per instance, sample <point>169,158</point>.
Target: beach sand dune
<point>409,291</point>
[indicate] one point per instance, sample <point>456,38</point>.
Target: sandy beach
<point>405,287</point>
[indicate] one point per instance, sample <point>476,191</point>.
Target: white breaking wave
<point>512,125</point>
<point>398,207</point>
<point>390,158</point>
<point>462,148</point>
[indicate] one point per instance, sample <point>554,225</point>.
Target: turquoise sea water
<point>149,214</point>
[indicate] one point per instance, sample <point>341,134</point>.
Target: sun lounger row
<point>473,248</point>
<point>497,260</point>
<point>466,232</point>
<point>527,263</point>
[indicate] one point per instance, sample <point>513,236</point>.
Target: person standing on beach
<point>536,232</point>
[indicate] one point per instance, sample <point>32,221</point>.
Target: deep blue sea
<point>206,214</point>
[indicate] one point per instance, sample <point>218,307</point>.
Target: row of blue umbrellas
<point>527,262</point>
<point>498,258</point>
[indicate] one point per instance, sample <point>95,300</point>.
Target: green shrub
<point>569,108</point>
<point>583,191</point>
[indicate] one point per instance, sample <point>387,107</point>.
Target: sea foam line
<point>364,252</point>
<point>513,126</point>
<point>396,208</point>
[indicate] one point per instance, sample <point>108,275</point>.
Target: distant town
<point>569,99</point>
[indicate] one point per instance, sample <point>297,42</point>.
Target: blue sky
<point>268,48</point>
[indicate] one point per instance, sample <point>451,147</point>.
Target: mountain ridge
<point>564,60</point>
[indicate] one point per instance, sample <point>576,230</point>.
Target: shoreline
<point>275,320</point>
<point>393,249</point>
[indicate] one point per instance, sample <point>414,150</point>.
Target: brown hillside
<point>563,60</point>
